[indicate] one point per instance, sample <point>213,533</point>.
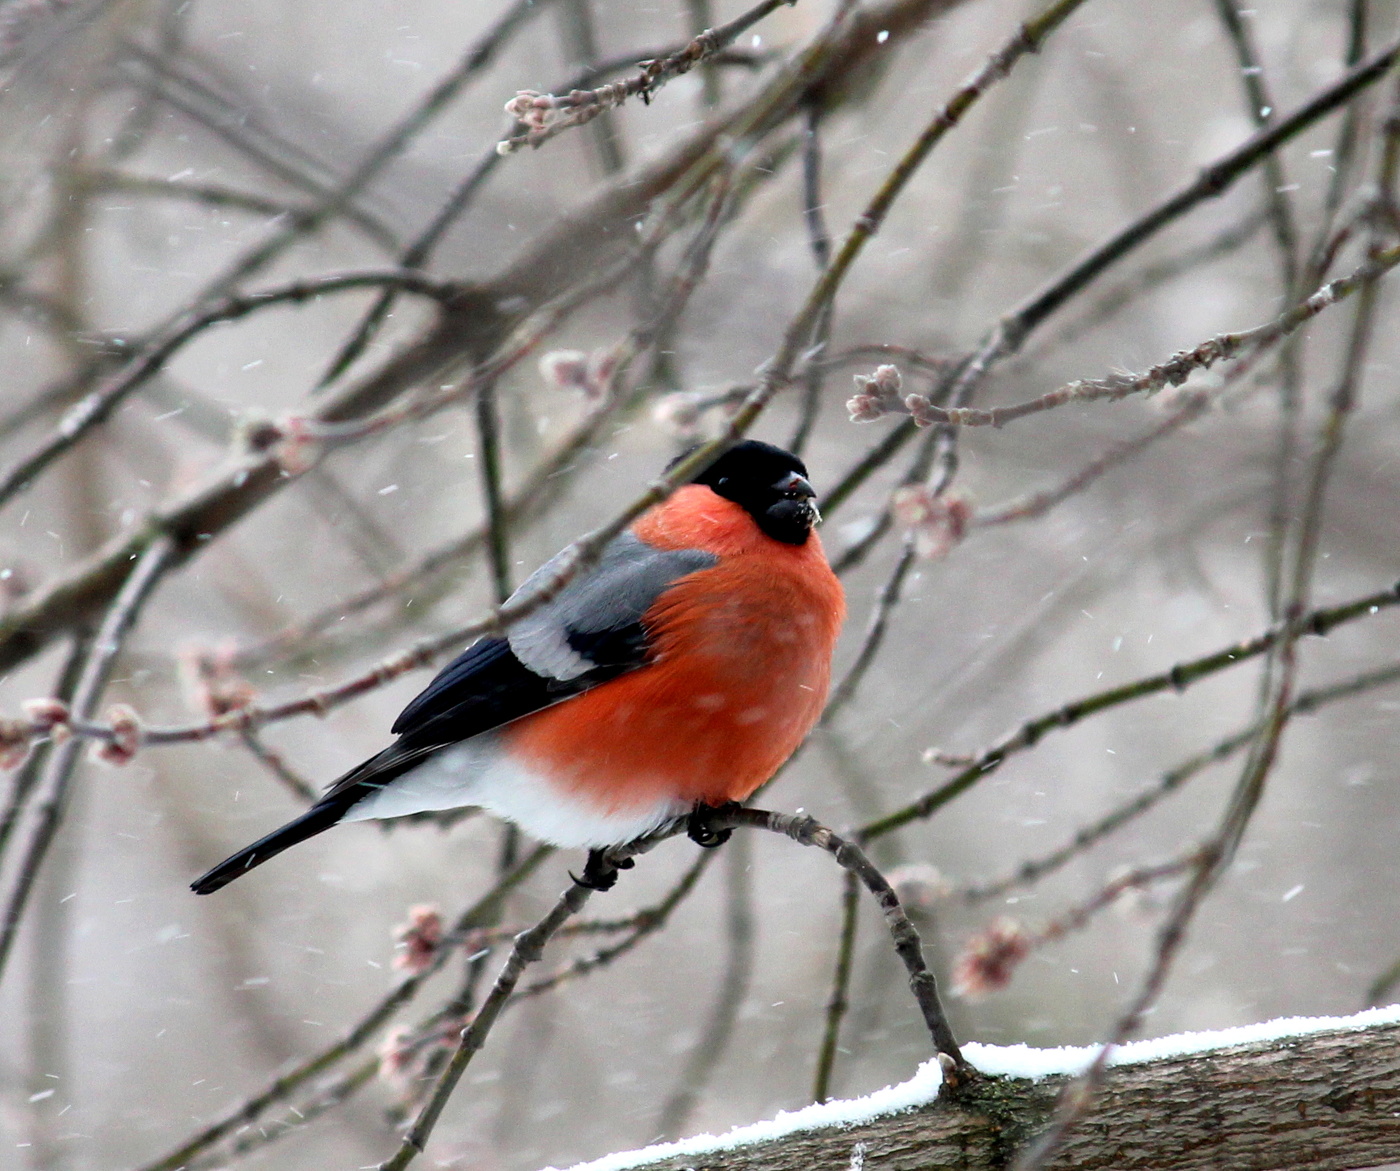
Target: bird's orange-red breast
<point>680,671</point>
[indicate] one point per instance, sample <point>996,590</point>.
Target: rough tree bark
<point>1324,1102</point>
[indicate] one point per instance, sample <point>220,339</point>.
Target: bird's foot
<point>701,828</point>
<point>600,871</point>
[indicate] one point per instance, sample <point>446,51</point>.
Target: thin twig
<point>1176,678</point>
<point>529,946</point>
<point>488,431</point>
<point>63,758</point>
<point>1382,985</point>
<point>370,541</point>
<point>546,115</point>
<point>45,311</point>
<point>837,1002</point>
<point>1175,370</point>
<point>1033,870</point>
<point>297,785</point>
<point>207,194</point>
<point>341,199</point>
<point>421,250</point>
<point>581,45</point>
<point>1344,153</point>
<point>1010,333</point>
<point>893,588</point>
<point>808,831</point>
<point>1028,38</point>
<point>1088,836</point>
<point>876,627</point>
<point>1078,916</point>
<point>278,156</point>
<point>639,926</point>
<point>871,462</point>
<point>360,1033</point>
<point>699,16</point>
<point>256,1137</point>
<point>1152,276</point>
<point>1260,107</point>
<point>97,407</point>
<point>990,959</point>
<point>28,775</point>
<point>714,1038</point>
<point>1033,505</point>
<point>136,128</point>
<point>389,147</point>
<point>819,240</point>
<point>538,490</point>
<point>1344,396</point>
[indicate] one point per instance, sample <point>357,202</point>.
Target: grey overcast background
<point>131,1013</point>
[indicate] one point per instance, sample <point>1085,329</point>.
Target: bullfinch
<point>673,676</point>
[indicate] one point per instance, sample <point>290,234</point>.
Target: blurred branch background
<point>435,363</point>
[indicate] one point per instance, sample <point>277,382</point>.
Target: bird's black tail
<point>319,817</point>
<point>362,780</point>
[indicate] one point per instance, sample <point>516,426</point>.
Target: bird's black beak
<point>797,495</point>
<point>795,487</point>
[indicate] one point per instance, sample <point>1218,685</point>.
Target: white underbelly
<point>476,774</point>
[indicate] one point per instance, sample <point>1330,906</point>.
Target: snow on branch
<point>1296,1090</point>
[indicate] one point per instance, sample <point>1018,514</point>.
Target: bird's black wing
<point>590,633</point>
<point>483,687</point>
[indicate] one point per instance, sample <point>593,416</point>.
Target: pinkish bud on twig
<point>574,370</point>
<point>417,940</point>
<point>937,523</point>
<point>126,736</point>
<point>678,414</point>
<point>920,410</point>
<point>682,412</point>
<point>565,369</point>
<point>396,1053</point>
<point>876,395</point>
<point>211,680</point>
<point>533,110</point>
<point>989,960</point>
<point>46,714</point>
<point>298,447</point>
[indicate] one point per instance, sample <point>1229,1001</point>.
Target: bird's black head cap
<point>770,484</point>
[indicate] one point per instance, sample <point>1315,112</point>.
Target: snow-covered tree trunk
<point>1325,1100</point>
